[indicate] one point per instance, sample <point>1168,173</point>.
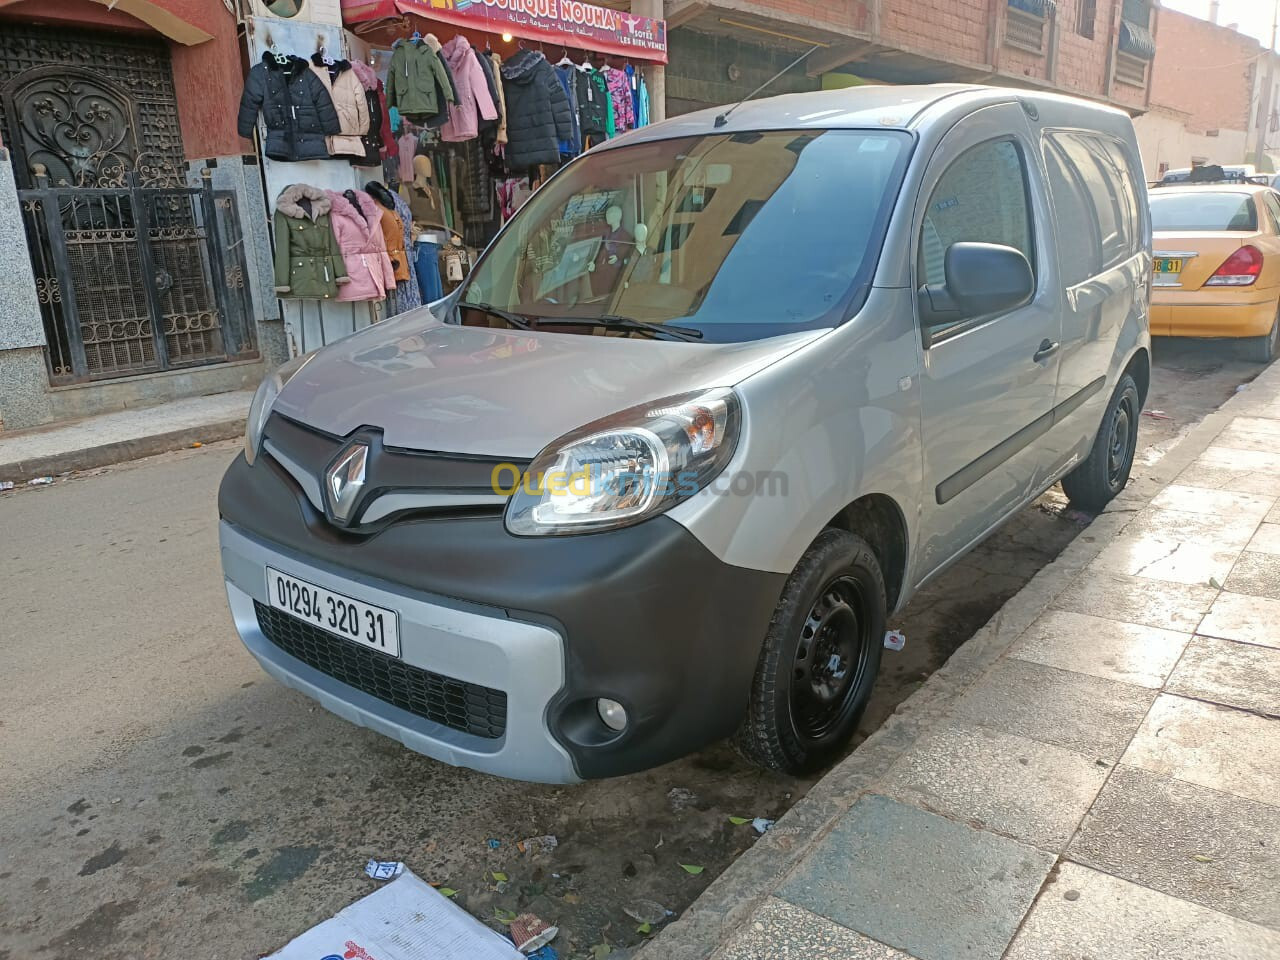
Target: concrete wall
<point>1164,137</point>
<point>1204,71</point>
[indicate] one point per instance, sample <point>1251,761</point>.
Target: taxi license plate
<point>1169,265</point>
<point>346,617</point>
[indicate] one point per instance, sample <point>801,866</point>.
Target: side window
<point>1272,202</point>
<point>982,197</point>
<point>1093,171</point>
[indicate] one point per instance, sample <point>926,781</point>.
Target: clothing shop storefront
<point>397,143</point>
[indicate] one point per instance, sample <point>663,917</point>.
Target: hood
<point>381,194</point>
<point>292,65</point>
<point>368,77</point>
<point>289,201</point>
<point>455,51</point>
<point>521,67</point>
<point>338,66</point>
<point>342,207</point>
<point>507,393</point>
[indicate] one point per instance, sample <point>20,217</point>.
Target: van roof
<point>869,106</point>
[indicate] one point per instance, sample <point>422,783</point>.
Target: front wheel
<point>1093,484</point>
<point>820,658</point>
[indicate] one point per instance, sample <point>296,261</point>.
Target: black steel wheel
<point>820,658</point>
<point>1104,473</point>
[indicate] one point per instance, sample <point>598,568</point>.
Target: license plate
<point>351,619</point>
<point>1169,265</point>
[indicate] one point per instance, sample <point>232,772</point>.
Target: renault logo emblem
<point>344,481</point>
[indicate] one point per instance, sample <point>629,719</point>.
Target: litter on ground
<point>895,640</point>
<point>530,932</point>
<point>384,869</point>
<point>404,920</point>
<point>762,825</point>
<point>543,844</point>
<point>40,482</point>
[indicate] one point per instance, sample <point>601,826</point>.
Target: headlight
<point>264,400</point>
<point>627,467</point>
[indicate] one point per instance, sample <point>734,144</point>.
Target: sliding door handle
<point>1047,349</point>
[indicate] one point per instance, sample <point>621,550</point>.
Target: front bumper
<point>1213,313</point>
<point>644,615</point>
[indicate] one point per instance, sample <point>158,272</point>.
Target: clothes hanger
<point>327,60</point>
<point>417,37</point>
<point>565,61</point>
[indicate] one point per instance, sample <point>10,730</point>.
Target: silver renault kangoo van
<point>715,404</point>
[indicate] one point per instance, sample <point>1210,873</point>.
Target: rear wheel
<point>1263,349</point>
<point>820,658</point>
<point>1094,483</point>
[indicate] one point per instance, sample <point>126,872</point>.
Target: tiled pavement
<point>1108,787</point>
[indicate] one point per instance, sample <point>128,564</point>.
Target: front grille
<point>469,707</point>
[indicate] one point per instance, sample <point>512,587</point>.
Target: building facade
<point>1205,85</point>
<point>136,267</point>
<point>1100,49</point>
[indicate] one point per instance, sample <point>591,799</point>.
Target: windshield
<point>733,237</point>
<point>1181,212</point>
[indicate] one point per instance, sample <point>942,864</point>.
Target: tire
<point>1093,484</point>
<point>820,658</point>
<point>1262,349</point>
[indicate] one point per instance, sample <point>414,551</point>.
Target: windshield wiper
<point>515,320</point>
<point>610,322</point>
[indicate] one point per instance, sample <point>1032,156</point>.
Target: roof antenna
<point>724,117</point>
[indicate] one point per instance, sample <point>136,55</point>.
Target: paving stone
<point>1086,914</point>
<point>1089,715</point>
<point>1266,540</point>
<point>1262,428</point>
<point>1164,558</point>
<point>1274,515</point>
<point>1202,845</point>
<point>1257,574</point>
<point>1236,478</point>
<point>1217,747</point>
<point>922,883</point>
<point>1125,652</point>
<point>1235,616</point>
<point>1183,526</point>
<point>1198,500</point>
<point>780,930</point>
<point>1155,603</point>
<point>1238,674</point>
<point>1022,788</point>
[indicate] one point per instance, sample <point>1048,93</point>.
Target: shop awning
<point>569,23</point>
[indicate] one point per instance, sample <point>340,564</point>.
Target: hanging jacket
<point>295,105</point>
<point>492,82</point>
<point>349,101</point>
<point>473,101</point>
<point>412,78</point>
<point>372,140</point>
<point>595,105</point>
<point>358,228</point>
<point>538,111</point>
<point>407,295</point>
<point>567,74</point>
<point>308,262</point>
<point>642,111</point>
<point>502,97</point>
<point>393,230</point>
<point>624,117</point>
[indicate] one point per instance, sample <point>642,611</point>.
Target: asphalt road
<point>160,797</point>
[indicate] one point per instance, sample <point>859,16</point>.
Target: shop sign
<point>572,23</point>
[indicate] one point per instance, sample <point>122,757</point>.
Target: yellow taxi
<point>1217,263</point>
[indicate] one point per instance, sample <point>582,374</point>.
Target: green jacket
<point>308,259</point>
<point>412,77</point>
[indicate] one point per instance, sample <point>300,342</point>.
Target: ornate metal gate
<point>136,271</point>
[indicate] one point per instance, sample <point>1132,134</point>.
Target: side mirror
<point>982,279</point>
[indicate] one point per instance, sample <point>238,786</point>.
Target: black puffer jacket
<point>295,105</point>
<point>538,116</point>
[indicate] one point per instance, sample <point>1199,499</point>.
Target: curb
<point>733,897</point>
<point>120,451</point>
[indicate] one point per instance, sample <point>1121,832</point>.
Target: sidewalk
<point>1096,774</point>
<point>126,435</point>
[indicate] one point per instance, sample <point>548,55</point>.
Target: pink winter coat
<point>474,100</point>
<point>364,249</point>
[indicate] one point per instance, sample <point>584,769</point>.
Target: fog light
<point>612,713</point>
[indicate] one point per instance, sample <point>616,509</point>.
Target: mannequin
<point>614,251</point>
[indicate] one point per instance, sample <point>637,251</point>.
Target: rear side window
<point>982,197</point>
<point>1192,210</point>
<point>1097,202</point>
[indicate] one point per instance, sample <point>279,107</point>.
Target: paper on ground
<point>405,920</point>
